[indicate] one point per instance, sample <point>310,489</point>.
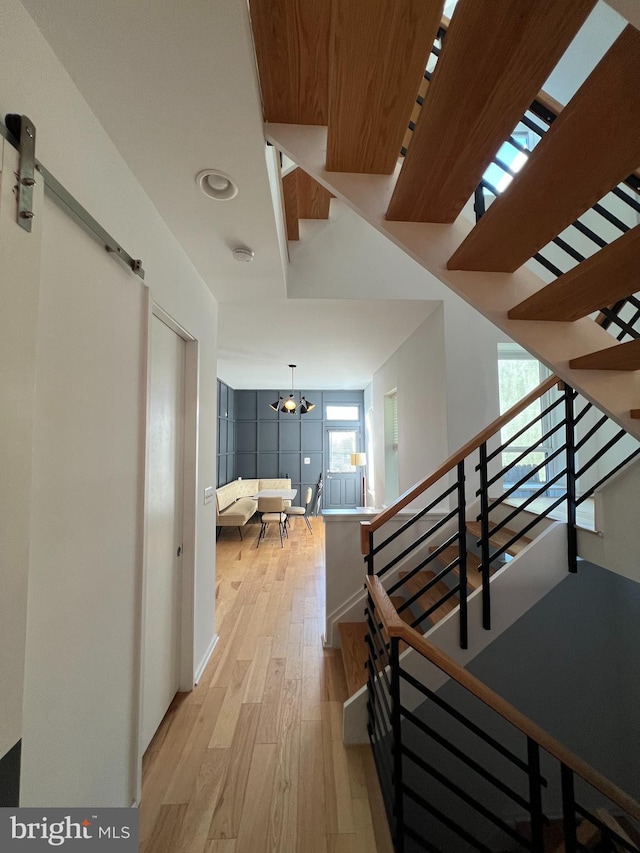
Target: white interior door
<point>164,527</point>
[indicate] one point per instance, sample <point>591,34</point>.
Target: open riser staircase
<point>543,459</point>
<point>420,125</point>
<point>571,451</point>
<point>340,86</point>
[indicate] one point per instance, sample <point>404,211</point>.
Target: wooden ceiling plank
<point>313,198</point>
<point>592,146</point>
<point>378,53</point>
<point>291,40</point>
<point>619,357</point>
<point>603,279</point>
<point>495,59</point>
<point>290,198</point>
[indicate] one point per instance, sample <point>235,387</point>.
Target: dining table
<point>285,494</point>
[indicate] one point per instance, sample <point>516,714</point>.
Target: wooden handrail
<point>395,627</point>
<point>367,527</point>
<point>549,103</point>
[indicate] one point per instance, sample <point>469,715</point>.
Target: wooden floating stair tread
<point>292,50</point>
<point>431,596</point>
<point>591,157</point>
<point>378,53</point>
<point>603,279</point>
<point>500,538</point>
<point>354,653</point>
<point>313,198</point>
<point>588,835</point>
<point>480,90</point>
<point>614,824</point>
<point>304,198</point>
<point>446,557</point>
<point>290,198</point>
<point>618,357</point>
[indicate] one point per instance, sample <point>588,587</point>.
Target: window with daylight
<point>391,441</point>
<point>334,412</point>
<point>519,373</point>
<point>511,157</point>
<point>342,443</point>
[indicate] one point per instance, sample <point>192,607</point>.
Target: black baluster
<point>568,810</point>
<point>572,532</point>
<point>396,723</point>
<point>535,797</point>
<point>462,565</point>
<point>484,537</point>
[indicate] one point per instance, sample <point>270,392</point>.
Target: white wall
<point>455,348</point>
<point>417,371</point>
<point>447,380</point>
<point>81,677</point>
<point>616,511</point>
<point>597,34</point>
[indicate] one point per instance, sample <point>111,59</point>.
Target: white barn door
<point>19,297</point>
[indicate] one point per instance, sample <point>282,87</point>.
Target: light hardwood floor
<point>252,761</point>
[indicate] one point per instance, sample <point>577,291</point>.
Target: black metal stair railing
<point>576,442</point>
<point>570,451</point>
<point>455,515</point>
<point>454,780</point>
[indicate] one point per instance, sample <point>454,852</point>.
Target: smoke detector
<point>241,253</point>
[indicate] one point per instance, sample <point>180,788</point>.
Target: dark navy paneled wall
<point>271,444</point>
<point>226,446</point>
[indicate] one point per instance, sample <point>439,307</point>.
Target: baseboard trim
<point>205,660</point>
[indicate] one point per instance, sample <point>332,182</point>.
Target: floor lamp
<point>360,461</point>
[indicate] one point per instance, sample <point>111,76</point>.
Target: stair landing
<point>585,512</point>
<point>355,651</point>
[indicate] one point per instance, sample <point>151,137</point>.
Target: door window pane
<point>342,443</point>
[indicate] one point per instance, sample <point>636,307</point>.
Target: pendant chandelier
<point>289,406</point>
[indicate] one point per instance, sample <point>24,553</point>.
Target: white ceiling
<point>361,333</point>
<point>174,85</point>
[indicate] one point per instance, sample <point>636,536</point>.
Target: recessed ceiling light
<point>241,253</point>
<point>216,184</point>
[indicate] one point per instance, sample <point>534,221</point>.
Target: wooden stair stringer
<point>489,293</point>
